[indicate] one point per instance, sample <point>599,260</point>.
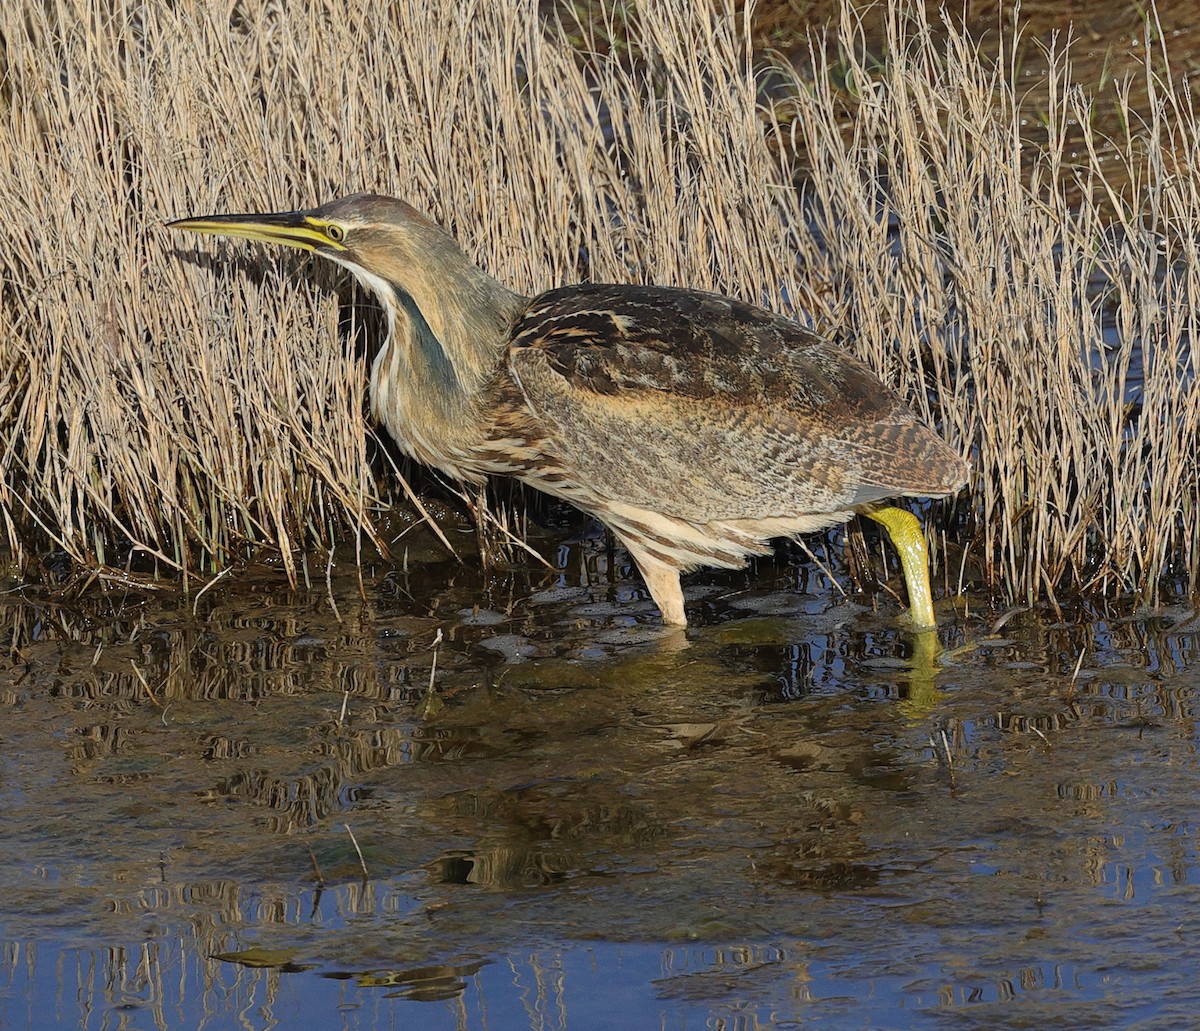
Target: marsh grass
<point>1040,297</point>
<point>181,404</point>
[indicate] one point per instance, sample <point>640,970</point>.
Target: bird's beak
<point>290,228</point>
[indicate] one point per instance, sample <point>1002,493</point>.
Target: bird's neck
<point>444,347</point>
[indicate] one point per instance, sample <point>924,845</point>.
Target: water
<point>782,818</point>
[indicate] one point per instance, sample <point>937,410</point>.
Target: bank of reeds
<point>160,404</point>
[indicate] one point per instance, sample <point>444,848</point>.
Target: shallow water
<point>781,817</point>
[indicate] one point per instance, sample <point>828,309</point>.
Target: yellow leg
<point>907,536</point>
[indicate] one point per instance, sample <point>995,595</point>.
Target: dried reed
<point>166,406</point>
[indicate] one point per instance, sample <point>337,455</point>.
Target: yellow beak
<point>290,228</point>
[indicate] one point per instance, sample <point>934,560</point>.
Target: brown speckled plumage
<point>696,426</point>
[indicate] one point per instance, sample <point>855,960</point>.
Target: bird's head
<point>448,320</point>
<point>376,237</point>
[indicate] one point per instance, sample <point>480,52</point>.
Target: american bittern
<point>696,427</point>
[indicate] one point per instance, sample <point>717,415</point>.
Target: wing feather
<point>705,408</point>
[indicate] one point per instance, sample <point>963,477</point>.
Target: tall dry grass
<point>156,402</point>
<point>1034,290</point>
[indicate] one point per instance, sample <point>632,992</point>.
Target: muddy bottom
<point>251,809</point>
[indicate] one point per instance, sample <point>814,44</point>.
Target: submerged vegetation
<point>1032,290</point>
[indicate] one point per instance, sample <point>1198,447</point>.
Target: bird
<point>697,427</point>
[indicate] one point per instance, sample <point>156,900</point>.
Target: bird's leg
<point>663,583</point>
<point>908,538</point>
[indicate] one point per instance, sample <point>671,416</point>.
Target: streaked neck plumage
<point>451,337</point>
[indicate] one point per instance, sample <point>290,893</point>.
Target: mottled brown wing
<point>702,407</point>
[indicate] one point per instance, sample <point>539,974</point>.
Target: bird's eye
<point>336,233</point>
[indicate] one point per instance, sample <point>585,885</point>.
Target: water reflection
<point>787,814</point>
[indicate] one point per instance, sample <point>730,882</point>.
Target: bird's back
<point>703,407</point>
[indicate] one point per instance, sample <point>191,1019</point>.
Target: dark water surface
<point>779,818</point>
